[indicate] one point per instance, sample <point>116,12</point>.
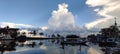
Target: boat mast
<point>115,22</point>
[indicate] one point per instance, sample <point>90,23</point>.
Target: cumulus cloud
<point>107,9</point>
<point>44,28</point>
<point>13,25</point>
<point>62,19</point>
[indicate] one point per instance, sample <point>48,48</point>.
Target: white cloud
<point>108,9</point>
<point>62,19</point>
<point>62,22</point>
<point>98,23</point>
<point>95,3</point>
<point>13,25</point>
<point>44,28</point>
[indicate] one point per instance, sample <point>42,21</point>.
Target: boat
<point>109,42</point>
<point>74,42</point>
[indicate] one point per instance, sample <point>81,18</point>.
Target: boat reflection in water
<point>46,47</point>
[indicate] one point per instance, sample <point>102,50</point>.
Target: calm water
<point>46,47</point>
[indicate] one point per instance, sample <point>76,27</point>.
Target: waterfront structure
<point>107,36</point>
<point>8,33</point>
<point>112,32</point>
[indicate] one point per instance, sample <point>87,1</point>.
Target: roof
<point>9,29</point>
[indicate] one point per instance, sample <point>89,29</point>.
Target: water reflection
<point>47,47</point>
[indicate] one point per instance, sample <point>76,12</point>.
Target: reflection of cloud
<point>94,50</point>
<point>53,50</point>
<point>27,51</point>
<point>107,9</point>
<point>19,50</point>
<point>43,47</point>
<point>56,50</point>
<point>71,50</point>
<point>13,25</point>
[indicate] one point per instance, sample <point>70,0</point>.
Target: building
<point>6,32</point>
<point>112,32</point>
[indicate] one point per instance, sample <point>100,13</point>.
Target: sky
<point>85,13</point>
<point>37,12</point>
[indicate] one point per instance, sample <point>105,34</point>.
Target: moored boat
<point>74,42</point>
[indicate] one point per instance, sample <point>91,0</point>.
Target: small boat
<point>110,42</point>
<point>74,42</point>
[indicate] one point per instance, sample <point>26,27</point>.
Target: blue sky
<point>37,12</point>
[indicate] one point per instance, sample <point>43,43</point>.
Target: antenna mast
<point>115,22</point>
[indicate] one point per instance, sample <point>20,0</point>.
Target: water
<point>46,47</point>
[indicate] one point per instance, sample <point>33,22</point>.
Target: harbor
<point>108,41</point>
<point>59,27</point>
